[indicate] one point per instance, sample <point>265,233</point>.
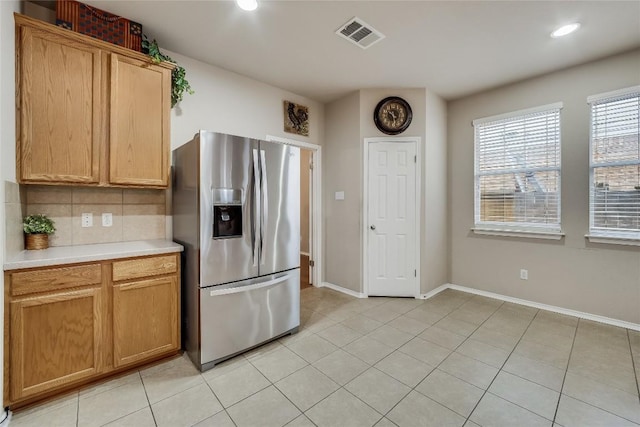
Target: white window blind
<point>517,171</point>
<point>614,204</point>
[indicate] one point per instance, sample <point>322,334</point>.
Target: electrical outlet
<point>524,274</point>
<point>87,220</point>
<point>107,219</point>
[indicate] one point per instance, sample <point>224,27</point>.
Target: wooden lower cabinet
<point>145,316</point>
<point>55,340</point>
<point>66,330</point>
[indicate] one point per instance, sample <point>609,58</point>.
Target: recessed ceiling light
<point>565,29</point>
<point>247,4</point>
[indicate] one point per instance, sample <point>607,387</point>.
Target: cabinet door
<point>60,102</point>
<point>55,340</point>
<point>145,319</point>
<point>139,136</point>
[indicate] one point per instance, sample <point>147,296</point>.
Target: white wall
<point>417,100</point>
<point>7,120</point>
<point>571,273</point>
<point>341,162</point>
<point>348,122</point>
<point>228,102</point>
<point>435,218</point>
<point>7,89</point>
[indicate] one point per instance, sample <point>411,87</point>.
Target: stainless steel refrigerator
<point>236,211</point>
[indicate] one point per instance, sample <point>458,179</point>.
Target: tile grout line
<point>331,379</point>
<point>564,378</point>
<point>633,364</point>
<point>216,396</point>
<point>588,403</point>
<point>130,413</point>
<point>436,367</point>
<point>442,361</point>
<point>397,349</point>
<point>147,396</point>
<point>383,416</point>
<point>274,385</point>
<point>500,370</point>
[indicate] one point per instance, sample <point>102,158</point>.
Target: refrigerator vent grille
<point>359,33</point>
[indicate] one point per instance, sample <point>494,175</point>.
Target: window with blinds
<point>517,171</point>
<point>614,202</point>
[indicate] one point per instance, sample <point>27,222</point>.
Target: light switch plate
<point>339,195</point>
<point>107,219</point>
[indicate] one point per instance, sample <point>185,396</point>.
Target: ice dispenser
<point>227,213</point>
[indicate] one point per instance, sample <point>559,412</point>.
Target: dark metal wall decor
<point>296,118</point>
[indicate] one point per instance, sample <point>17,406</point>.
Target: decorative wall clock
<point>392,115</point>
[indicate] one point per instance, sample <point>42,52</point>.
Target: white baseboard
<point>553,308</point>
<point>541,306</point>
<point>434,291</point>
<point>343,290</point>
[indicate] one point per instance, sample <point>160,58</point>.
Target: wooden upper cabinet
<point>139,122</point>
<point>89,112</point>
<point>60,101</point>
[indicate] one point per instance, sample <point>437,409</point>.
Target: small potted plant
<point>37,229</point>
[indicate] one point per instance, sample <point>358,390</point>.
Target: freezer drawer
<point>237,317</point>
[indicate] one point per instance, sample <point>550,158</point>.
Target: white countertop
<point>84,253</point>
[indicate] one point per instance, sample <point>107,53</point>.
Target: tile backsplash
<point>136,214</point>
<point>15,206</point>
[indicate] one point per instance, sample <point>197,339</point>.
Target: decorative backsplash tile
<point>136,214</point>
<point>47,194</point>
<point>61,216</point>
<point>140,221</point>
<point>149,197</point>
<point>97,196</point>
<point>14,208</point>
<point>97,233</point>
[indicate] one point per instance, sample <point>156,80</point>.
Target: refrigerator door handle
<point>247,288</point>
<point>264,219</point>
<point>256,205</point>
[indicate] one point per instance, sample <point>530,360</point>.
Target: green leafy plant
<point>38,224</point>
<point>179,84</point>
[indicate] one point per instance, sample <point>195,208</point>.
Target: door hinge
<point>415,273</point>
<point>312,263</point>
<point>415,159</point>
<point>311,165</point>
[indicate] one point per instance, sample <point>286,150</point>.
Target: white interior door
<point>392,237</point>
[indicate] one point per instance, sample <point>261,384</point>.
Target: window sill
<point>613,240</point>
<point>548,235</point>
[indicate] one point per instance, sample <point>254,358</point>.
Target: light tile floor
<point>455,359</point>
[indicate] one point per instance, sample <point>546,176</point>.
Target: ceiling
<point>453,48</point>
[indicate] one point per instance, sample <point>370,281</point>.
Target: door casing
<point>316,213</point>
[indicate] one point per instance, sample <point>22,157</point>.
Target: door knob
<point>373,227</point>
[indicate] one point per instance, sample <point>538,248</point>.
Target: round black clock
<point>392,115</point>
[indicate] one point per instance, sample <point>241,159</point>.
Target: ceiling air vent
<point>360,33</point>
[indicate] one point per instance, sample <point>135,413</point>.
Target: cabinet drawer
<point>29,282</point>
<point>144,267</point>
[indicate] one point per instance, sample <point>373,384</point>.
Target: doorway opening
<point>306,217</point>
<point>310,210</point>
